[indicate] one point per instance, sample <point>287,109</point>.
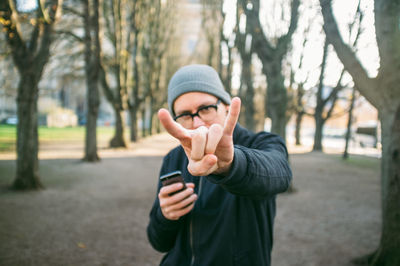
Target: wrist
<point>224,170</point>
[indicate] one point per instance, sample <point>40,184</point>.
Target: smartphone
<point>171,178</point>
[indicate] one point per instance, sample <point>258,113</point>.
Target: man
<point>226,213</point>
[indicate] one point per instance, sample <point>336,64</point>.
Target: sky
<point>309,11</point>
<point>344,12</point>
<point>26,5</point>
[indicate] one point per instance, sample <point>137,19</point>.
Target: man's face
<point>192,102</point>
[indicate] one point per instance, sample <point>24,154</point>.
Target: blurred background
<point>142,43</point>
<point>81,81</point>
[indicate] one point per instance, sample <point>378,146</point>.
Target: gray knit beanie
<point>196,78</point>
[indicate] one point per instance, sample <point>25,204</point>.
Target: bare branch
<point>13,33</point>
<point>73,11</point>
<point>347,56</point>
<point>71,34</point>
<point>284,40</point>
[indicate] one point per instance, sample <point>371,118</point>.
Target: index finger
<point>174,129</point>
<point>233,116</point>
<point>165,191</point>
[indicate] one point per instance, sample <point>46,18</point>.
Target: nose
<point>197,122</point>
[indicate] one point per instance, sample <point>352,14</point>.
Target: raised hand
<point>209,150</point>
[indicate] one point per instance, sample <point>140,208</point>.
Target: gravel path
<point>96,214</point>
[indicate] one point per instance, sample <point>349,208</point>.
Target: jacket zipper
<point>191,224</point>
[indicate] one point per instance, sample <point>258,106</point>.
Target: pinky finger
<point>185,210</point>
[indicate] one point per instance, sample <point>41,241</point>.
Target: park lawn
<point>8,135</point>
<point>360,161</point>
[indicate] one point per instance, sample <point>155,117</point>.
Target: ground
<point>96,214</point>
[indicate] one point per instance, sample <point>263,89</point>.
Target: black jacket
<point>232,221</point>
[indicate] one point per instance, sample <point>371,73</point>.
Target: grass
<point>8,135</point>
<point>362,161</point>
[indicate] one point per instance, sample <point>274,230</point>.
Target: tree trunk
<point>144,131</point>
<point>91,124</point>
<point>27,176</point>
<point>319,126</point>
<point>211,51</point>
<point>133,120</point>
<point>134,104</point>
<point>319,121</point>
<point>300,112</point>
<point>349,124</point>
<point>118,139</point>
<point>299,118</point>
<point>276,99</point>
<point>92,69</point>
<point>247,92</point>
<point>388,252</point>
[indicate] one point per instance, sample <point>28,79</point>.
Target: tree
<point>299,94</point>
<point>225,63</point>
<point>349,123</point>
<point>211,25</point>
<point>92,69</point>
<point>30,55</point>
<point>157,35</point>
<point>271,57</point>
<point>244,45</point>
<point>320,115</point>
<point>116,63</point>
<point>383,92</point>
<point>134,100</point>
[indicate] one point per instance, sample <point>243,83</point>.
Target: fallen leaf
<point>81,245</point>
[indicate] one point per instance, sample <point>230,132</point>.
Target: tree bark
<point>297,133</point>
<point>133,121</point>
<point>92,69</point>
<point>349,124</point>
<point>143,113</point>
<point>133,103</point>
<point>300,113</point>
<point>27,135</point>
<point>388,252</point>
<point>246,91</point>
<point>319,126</point>
<point>118,139</point>
<point>276,97</point>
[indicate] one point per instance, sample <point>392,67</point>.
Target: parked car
<point>12,120</point>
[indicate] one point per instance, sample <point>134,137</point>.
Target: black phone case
<point>171,179</point>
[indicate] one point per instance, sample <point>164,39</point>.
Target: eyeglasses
<point>206,113</point>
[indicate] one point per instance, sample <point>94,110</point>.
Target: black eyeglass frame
<point>215,106</point>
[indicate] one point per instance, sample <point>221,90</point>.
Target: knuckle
<point>199,137</point>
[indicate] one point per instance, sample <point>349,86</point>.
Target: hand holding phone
<point>172,178</point>
<point>174,204</point>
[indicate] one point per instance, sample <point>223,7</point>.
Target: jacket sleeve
<point>259,170</point>
<point>161,232</point>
